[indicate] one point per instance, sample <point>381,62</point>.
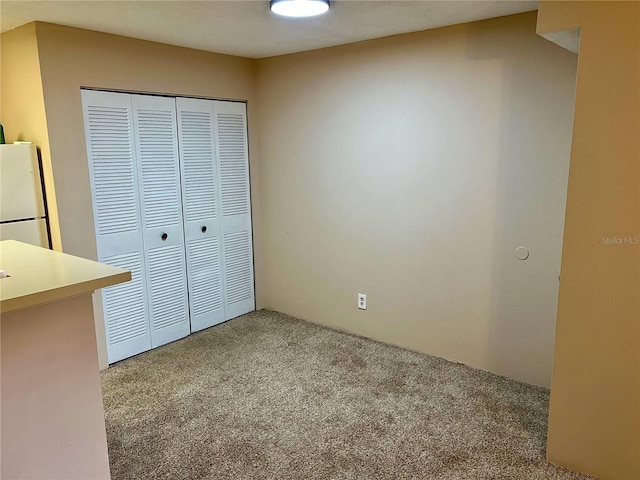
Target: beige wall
<point>52,414</point>
<point>594,422</point>
<point>410,168</point>
<point>439,153</point>
<point>72,58</point>
<point>21,106</point>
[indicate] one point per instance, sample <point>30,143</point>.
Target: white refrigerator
<point>23,214</point>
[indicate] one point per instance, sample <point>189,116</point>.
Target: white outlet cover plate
<point>362,301</point>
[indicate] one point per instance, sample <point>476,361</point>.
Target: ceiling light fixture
<point>299,8</point>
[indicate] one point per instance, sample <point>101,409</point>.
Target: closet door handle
<point>204,228</point>
<point>164,236</point>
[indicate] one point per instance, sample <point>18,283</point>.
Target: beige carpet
<point>266,396</point>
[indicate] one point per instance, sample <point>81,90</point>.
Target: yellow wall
<point>72,58</point>
<point>410,168</point>
<point>22,110</point>
<point>594,423</point>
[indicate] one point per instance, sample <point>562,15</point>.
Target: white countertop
<point>37,275</point>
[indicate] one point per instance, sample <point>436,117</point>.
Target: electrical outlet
<point>362,301</point>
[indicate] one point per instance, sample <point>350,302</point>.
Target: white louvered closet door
<point>108,122</point>
<point>235,218</point>
<point>200,210</point>
<point>160,199</point>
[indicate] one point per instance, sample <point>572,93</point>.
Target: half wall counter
<point>51,411</point>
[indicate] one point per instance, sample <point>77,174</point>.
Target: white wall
<point>410,168</point>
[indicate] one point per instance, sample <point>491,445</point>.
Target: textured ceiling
<point>246,27</point>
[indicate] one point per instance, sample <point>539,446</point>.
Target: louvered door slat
<point>239,280</point>
<point>167,298</point>
<point>156,130</point>
<point>205,276</point>
<point>200,206</point>
<point>125,310</point>
<point>112,157</point>
<point>234,167</point>
<point>159,174</point>
<point>237,260</point>
<point>108,121</point>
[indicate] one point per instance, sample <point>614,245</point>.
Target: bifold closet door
<point>200,204</point>
<point>156,137</point>
<point>235,217</point>
<point>170,185</point>
<point>108,122</point>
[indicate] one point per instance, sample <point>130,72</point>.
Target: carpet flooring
<point>267,396</point>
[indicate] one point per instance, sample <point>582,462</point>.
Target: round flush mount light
<point>299,8</point>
